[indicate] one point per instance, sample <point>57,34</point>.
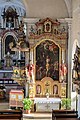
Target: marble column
<point>69,22</point>
<point>63,55</point>
<point>27,81</point>
<point>2,23</point>
<point>26,89</point>
<point>25,31</point>
<point>26,58</point>
<point>19,55</point>
<point>68,53</point>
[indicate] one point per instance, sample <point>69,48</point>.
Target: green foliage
<point>27,102</point>
<point>66,103</point>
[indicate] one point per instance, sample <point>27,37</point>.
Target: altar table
<point>47,104</point>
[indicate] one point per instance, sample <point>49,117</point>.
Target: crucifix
<point>47,106</point>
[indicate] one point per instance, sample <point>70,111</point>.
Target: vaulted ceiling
<point>18,4</point>
<point>40,8</point>
<point>49,8</point>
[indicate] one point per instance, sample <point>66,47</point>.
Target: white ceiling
<point>40,8</point>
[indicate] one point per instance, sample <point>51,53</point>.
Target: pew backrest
<point>10,114</point>
<point>64,114</point>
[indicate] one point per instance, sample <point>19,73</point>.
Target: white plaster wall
<point>76,21</point>
<point>74,101</point>
<point>76,35</point>
<point>75,27</point>
<point>46,8</point>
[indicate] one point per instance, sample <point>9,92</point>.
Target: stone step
<point>38,116</point>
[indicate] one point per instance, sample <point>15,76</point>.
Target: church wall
<point>75,27</point>
<point>75,40</point>
<point>46,9</point>
<point>76,20</point>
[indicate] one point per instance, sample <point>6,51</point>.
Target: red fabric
<point>63,70</point>
<point>30,68</point>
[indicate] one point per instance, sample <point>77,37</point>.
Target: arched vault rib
<point>69,6</point>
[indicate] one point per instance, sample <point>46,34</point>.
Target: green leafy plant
<point>66,103</point>
<point>27,102</point>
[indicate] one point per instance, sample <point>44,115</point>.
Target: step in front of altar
<point>38,116</point>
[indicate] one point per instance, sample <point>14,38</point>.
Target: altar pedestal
<point>47,104</point>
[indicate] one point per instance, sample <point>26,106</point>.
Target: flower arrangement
<point>66,103</point>
<point>27,102</point>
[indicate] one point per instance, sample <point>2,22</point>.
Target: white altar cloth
<point>47,100</point>
<point>47,104</point>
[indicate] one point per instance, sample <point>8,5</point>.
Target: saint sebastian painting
<point>47,60</point>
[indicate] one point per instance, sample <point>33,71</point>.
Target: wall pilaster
<point>69,22</point>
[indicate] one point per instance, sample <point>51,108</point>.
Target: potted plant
<point>27,102</point>
<point>66,103</point>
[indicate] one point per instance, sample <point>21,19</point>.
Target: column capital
<point>68,20</point>
<point>30,20</point>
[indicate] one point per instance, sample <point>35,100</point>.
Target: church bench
<point>10,114</point>
<point>64,114</point>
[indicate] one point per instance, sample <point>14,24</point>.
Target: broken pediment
<point>47,25</point>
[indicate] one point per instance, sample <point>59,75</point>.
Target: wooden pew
<point>64,114</point>
<point>10,114</point>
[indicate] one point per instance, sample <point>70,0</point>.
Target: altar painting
<point>9,44</point>
<point>47,60</point>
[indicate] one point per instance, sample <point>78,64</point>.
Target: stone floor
<point>31,116</point>
<point>37,116</point>
<point>36,119</point>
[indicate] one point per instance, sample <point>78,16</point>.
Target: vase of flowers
<point>27,102</point>
<point>66,103</point>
